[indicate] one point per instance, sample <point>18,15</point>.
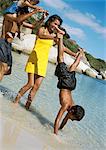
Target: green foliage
<point>72,47</point>
<point>97,64</point>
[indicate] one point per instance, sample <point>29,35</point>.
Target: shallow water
<point>88,134</point>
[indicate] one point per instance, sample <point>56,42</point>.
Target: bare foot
<point>27,105</point>
<point>57,137</point>
<point>17,99</point>
<point>15,103</point>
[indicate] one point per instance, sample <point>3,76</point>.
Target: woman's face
<point>54,24</point>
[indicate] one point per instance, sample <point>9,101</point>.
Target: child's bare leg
<point>14,28</point>
<point>76,63</point>
<point>7,24</point>
<point>60,48</point>
<point>25,88</point>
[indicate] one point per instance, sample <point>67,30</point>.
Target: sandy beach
<point>14,137</point>
<point>17,133</point>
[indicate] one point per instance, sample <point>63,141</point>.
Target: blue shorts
<point>14,9</point>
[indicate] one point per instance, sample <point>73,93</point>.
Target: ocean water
<point>88,134</point>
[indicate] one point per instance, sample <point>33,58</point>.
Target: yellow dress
<point>38,59</point>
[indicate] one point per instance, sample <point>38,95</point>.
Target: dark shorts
<point>5,52</point>
<point>66,79</point>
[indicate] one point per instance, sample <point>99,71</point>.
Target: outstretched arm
<point>37,23</point>
<point>64,121</point>
<point>23,17</point>
<point>58,118</point>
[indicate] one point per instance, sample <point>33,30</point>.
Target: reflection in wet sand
<point>10,133</point>
<point>13,137</point>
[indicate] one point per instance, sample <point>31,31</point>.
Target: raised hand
<point>59,30</point>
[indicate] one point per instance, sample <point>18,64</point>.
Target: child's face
<point>71,116</point>
<point>53,25</point>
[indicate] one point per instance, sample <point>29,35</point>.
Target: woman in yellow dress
<point>38,60</point>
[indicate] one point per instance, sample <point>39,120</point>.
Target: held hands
<point>40,9</point>
<point>45,14</point>
<point>59,36</point>
<point>59,30</point>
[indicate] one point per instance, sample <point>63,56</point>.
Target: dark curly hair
<point>78,112</point>
<point>51,19</point>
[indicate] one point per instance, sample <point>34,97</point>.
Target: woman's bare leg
<point>7,24</point>
<point>14,28</point>
<point>37,83</point>
<point>6,27</point>
<point>25,88</point>
<point>76,62</point>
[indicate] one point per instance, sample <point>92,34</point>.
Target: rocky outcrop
<point>25,43</point>
<point>90,72</point>
<point>103,74</point>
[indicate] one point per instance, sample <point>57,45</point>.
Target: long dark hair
<point>51,19</point>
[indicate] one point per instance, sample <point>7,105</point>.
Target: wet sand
<point>17,134</point>
<point>13,137</point>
